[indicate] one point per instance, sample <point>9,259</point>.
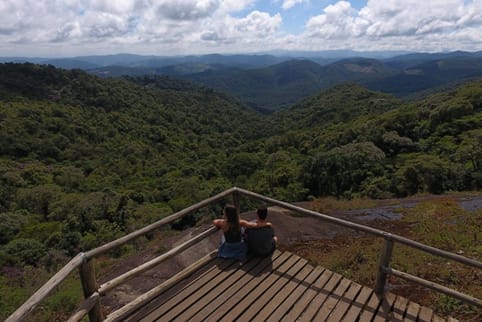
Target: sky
<point>66,28</point>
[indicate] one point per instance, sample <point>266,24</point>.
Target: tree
<point>424,173</point>
<point>343,169</point>
<point>38,200</point>
<point>25,251</point>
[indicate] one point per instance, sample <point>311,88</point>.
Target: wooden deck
<point>283,287</point>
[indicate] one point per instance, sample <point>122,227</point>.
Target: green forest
<point>84,160</point>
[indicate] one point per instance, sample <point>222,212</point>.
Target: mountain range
<point>268,82</point>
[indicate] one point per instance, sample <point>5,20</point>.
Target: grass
<point>438,222</point>
<point>331,204</point>
<point>17,285</point>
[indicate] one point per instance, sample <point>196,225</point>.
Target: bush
<point>25,250</point>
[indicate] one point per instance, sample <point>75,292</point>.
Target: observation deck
<point>282,287</point>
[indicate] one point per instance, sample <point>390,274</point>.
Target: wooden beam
<point>384,262</point>
<point>144,298</point>
<point>84,308</point>
<point>104,288</point>
<point>121,241</point>
<point>369,230</point>
<point>434,286</point>
<point>89,286</point>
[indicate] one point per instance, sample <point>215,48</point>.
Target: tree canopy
<point>84,160</point>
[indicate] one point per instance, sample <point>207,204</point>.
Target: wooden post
<point>89,286</point>
<point>384,263</point>
<point>236,202</point>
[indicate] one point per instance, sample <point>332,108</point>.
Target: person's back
<point>262,240</point>
<point>232,245</point>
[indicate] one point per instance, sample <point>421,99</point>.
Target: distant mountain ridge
<point>273,81</point>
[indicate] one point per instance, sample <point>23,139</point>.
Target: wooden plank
<point>232,302</point>
<point>425,314</point>
<point>232,289</point>
<point>345,302</point>
<point>385,310</point>
<point>185,302</point>
<point>320,298</point>
<point>270,298</point>
<point>142,305</point>
<point>289,303</point>
<point>308,296</point>
<point>399,308</point>
<point>412,312</point>
<point>255,293</point>
<point>149,301</point>
<point>330,303</point>
<point>188,290</point>
<point>358,304</point>
<point>205,296</point>
<point>370,308</point>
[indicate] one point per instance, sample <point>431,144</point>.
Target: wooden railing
<point>92,291</point>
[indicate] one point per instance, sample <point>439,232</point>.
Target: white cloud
<point>288,4</point>
<point>228,6</point>
<point>336,22</point>
<point>52,27</point>
<point>256,28</point>
<point>186,9</point>
<point>114,7</point>
<point>392,21</point>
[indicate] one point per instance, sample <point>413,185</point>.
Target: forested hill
<point>339,104</point>
<point>79,154</point>
<point>84,160</point>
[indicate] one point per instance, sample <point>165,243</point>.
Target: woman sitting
<point>232,244</point>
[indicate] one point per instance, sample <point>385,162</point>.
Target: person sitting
<point>232,243</point>
<point>261,240</point>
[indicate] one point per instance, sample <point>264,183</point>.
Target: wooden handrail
<point>92,291</point>
<point>435,286</point>
<point>383,268</point>
<point>143,231</point>
<point>85,308</point>
<point>152,293</point>
<point>369,230</point>
<point>104,288</point>
<point>27,307</point>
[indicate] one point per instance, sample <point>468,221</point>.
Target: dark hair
<point>232,217</point>
<point>262,213</point>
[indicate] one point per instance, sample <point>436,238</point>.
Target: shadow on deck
<point>283,287</point>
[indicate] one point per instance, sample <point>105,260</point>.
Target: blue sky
<point>51,28</point>
<point>294,18</point>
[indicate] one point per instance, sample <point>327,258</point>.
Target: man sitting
<point>261,240</point>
